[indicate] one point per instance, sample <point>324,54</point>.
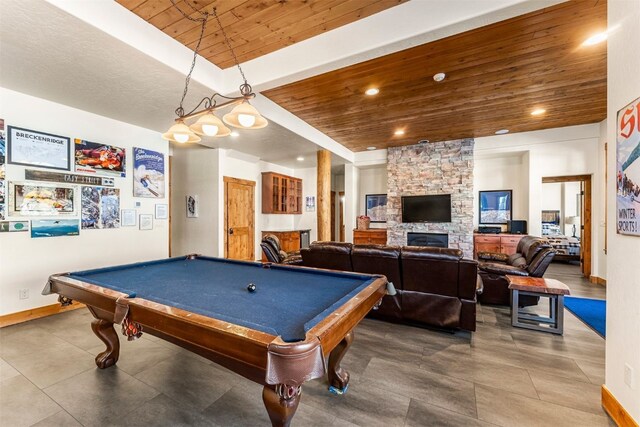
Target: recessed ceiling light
<point>595,39</point>
<point>423,141</point>
<point>538,112</point>
<point>234,134</point>
<point>371,148</point>
<point>502,131</point>
<point>439,77</point>
<point>300,159</point>
<point>372,91</point>
<point>399,132</point>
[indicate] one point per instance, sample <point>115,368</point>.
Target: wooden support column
<point>324,195</point>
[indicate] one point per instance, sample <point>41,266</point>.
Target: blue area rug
<point>590,311</point>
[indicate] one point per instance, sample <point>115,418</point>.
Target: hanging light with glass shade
<point>243,115</point>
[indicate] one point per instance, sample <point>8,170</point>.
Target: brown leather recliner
<point>271,249</point>
<point>331,255</point>
<point>521,251</point>
<point>440,285</point>
<point>380,259</point>
<point>496,287</point>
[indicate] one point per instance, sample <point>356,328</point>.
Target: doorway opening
<point>566,219</point>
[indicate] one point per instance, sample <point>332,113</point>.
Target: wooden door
<point>341,195</point>
<point>239,213</point>
<point>333,216</point>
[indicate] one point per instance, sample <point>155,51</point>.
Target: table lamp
<point>573,220</point>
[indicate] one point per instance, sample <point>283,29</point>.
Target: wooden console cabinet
<point>497,243</point>
<point>372,236</point>
<point>281,194</point>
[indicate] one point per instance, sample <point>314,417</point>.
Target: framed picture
<point>192,206</point>
<point>148,173</point>
<point>628,169</point>
<point>376,207</point>
<point>310,204</point>
<point>495,206</point>
<point>54,227</point>
<point>128,217</point>
<point>27,199</point>
<point>100,207</point>
<point>146,222</point>
<point>100,159</point>
<point>44,150</point>
<point>162,211</point>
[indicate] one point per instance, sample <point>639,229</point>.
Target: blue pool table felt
<point>288,301</point>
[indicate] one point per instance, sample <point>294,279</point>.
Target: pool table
<point>278,335</point>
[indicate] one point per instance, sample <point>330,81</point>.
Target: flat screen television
<point>433,208</point>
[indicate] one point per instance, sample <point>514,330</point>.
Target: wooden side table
<point>553,289</point>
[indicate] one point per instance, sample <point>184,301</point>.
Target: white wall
<point>26,263</point>
<point>204,172</point>
<point>623,269</point>
<point>552,196</point>
<point>195,171</point>
<point>373,180</point>
<point>502,171</point>
<point>309,220</point>
<point>553,152</point>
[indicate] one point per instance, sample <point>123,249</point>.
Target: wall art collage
<point>74,187</point>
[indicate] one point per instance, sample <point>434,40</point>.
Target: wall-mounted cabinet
<point>281,194</point>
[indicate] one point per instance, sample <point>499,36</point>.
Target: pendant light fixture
<point>243,115</point>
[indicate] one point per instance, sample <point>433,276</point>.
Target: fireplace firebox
<point>438,240</point>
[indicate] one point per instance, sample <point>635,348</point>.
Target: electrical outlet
<point>23,293</point>
<point>629,376</point>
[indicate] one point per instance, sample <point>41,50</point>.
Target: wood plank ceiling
<point>254,27</point>
<point>496,75</point>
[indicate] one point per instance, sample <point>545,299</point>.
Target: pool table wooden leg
<point>338,377</point>
<point>281,402</point>
<point>105,331</point>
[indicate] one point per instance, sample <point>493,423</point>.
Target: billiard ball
<point>251,288</point>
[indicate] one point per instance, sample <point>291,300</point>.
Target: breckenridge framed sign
<point>44,150</point>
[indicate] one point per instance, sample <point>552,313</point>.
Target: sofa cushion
<point>330,255</point>
<point>513,257</point>
<point>431,253</point>
<point>430,270</point>
<point>378,259</point>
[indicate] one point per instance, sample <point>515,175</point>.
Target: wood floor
<point>496,376</point>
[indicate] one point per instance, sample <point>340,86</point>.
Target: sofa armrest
<point>502,269</point>
<point>492,256</point>
<point>292,260</point>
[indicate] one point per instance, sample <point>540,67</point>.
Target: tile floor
<point>416,377</point>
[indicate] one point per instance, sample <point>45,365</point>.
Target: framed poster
<point>628,169</point>
<point>44,150</point>
<point>162,211</point>
<point>146,222</point>
<point>148,173</point>
<point>192,206</point>
<point>54,227</point>
<point>495,206</point>
<point>100,159</point>
<point>100,207</point>
<point>28,198</point>
<point>128,218</point>
<point>376,207</point>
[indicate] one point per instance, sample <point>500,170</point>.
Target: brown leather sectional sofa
<point>435,286</point>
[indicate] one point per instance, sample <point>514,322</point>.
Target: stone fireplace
<point>432,168</point>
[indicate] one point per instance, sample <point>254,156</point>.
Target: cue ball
<point>251,288</point>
